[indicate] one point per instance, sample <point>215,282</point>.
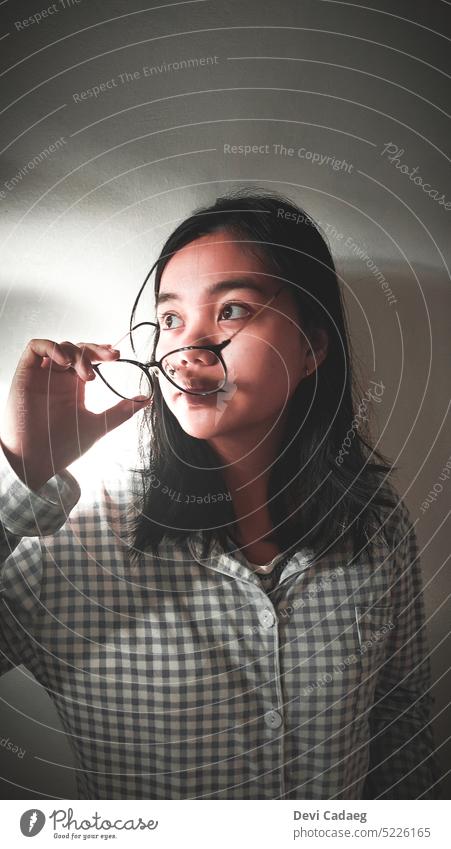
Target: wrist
<point>32,481</point>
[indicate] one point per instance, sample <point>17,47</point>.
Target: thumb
<point>121,412</point>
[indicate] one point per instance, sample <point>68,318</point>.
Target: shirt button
<point>266,617</point>
<point>273,719</point>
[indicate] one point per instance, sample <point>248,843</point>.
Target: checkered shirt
<point>190,678</point>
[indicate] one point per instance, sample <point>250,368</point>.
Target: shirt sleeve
<point>25,516</point>
<point>20,587</point>
<point>403,763</point>
<point>26,512</point>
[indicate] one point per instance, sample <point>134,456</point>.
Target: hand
<point>46,425</point>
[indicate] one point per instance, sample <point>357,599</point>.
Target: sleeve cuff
<point>27,512</point>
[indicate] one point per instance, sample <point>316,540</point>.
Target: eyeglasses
<point>194,369</point>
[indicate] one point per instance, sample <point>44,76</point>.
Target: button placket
<point>273,718</point>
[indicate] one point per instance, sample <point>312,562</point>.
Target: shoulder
<point>98,528</point>
<point>394,522</point>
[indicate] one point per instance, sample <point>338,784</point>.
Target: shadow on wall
<point>29,721</point>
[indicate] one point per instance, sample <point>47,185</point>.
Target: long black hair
<point>328,481</point>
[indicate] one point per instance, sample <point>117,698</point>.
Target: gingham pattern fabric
<point>185,678</point>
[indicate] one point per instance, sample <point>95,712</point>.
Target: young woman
<point>241,617</point>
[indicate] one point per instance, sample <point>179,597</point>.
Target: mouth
<point>197,400</point>
<point>197,385</point>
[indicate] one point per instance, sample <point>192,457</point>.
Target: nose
<point>196,358</point>
<point>195,370</point>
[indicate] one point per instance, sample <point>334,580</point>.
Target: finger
<point>37,349</point>
<point>83,354</point>
<point>90,352</point>
<point>78,360</point>
<point>44,352</point>
<point>121,412</point>
<point>47,363</point>
<point>97,353</point>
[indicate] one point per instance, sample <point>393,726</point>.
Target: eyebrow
<point>220,286</point>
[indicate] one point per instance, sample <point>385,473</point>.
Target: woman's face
<point>210,289</point>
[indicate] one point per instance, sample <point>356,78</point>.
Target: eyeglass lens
<point>124,378</point>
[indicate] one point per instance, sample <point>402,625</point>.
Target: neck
<point>247,462</point>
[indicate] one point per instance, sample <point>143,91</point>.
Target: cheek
<point>168,391</point>
<point>267,366</point>
<point>262,375</point>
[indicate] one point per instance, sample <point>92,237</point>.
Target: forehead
<point>211,258</point>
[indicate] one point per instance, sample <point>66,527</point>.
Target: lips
<point>197,386</point>
<point>196,400</point>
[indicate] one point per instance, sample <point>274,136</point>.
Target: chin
<point>199,433</point>
<point>201,424</point>
<point>201,417</point>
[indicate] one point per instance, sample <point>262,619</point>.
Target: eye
<point>168,320</point>
<point>164,323</point>
<point>230,307</point>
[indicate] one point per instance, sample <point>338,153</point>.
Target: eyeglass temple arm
<point>272,298</point>
<point>134,327</point>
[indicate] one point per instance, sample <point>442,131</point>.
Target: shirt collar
<point>232,561</point>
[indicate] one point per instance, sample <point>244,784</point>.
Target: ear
<point>320,344</point>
